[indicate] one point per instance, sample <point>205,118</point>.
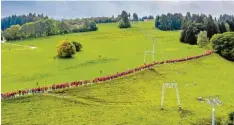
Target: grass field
<point>131,100</point>
<point>119,50</point>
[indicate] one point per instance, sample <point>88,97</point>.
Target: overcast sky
<point>79,9</point>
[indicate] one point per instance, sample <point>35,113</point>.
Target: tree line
<point>147,17</point>
<point>169,21</point>
<point>205,30</point>
<point>20,20</point>
<point>94,19</point>
<point>192,25</point>
<point>47,27</point>
<point>32,25</point>
<point>201,21</point>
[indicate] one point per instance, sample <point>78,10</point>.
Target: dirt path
<point>30,47</point>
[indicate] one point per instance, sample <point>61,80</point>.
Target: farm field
<point>108,50</point>
<point>134,99</point>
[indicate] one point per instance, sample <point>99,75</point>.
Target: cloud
<point>79,9</point>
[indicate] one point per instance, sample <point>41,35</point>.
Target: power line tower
<point>213,101</point>
<point>150,52</point>
<point>170,85</point>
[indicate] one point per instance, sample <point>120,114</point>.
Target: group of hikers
<point>95,80</point>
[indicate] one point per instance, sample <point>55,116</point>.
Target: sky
<point>80,9</point>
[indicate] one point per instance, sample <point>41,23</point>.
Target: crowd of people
<point>95,80</point>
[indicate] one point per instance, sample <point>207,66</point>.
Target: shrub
<point>202,39</point>
<point>65,49</point>
<point>92,26</point>
<point>121,24</point>
<point>223,44</point>
<point>77,45</point>
<point>231,116</point>
<point>207,121</point>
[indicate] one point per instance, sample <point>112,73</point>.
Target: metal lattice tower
<point>150,52</point>
<point>213,101</point>
<point>170,85</point>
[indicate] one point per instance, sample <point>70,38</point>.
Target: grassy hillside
<point>109,50</point>
<point>133,100</point>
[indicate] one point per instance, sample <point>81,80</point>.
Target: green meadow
<point>134,99</point>
<point>130,100</point>
<point>108,50</point>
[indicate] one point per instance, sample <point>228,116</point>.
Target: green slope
<point>119,50</point>
<point>134,99</point>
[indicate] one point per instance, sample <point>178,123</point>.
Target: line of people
<point>95,80</point>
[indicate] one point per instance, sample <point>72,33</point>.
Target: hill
<point>106,51</point>
<point>134,99</point>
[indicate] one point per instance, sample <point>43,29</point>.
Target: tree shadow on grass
<point>185,113</point>
<point>92,62</point>
<point>63,58</point>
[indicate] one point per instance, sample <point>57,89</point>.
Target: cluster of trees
<point>124,20</point>
<point>147,17</point>
<point>104,19</point>
<point>46,27</point>
<point>192,25</point>
<point>94,19</point>
<point>223,44</point>
<point>32,25</point>
<point>66,49</point>
<point>20,20</point>
<point>169,21</point>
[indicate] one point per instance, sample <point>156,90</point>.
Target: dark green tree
<point>211,27</point>
<point>169,21</point>
<point>188,16</point>
<point>231,24</point>
<point>189,33</point>
<point>135,17</point>
<point>124,22</point>
<point>222,27</point>
<point>77,45</point>
<point>231,116</point>
<point>150,17</point>
<point>129,16</point>
<point>92,26</point>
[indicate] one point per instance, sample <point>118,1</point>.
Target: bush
<point>121,24</point>
<point>231,116</point>
<point>207,121</point>
<point>65,49</point>
<point>92,26</point>
<point>223,44</point>
<point>77,45</point>
<point>202,39</point>
<point>124,25</point>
